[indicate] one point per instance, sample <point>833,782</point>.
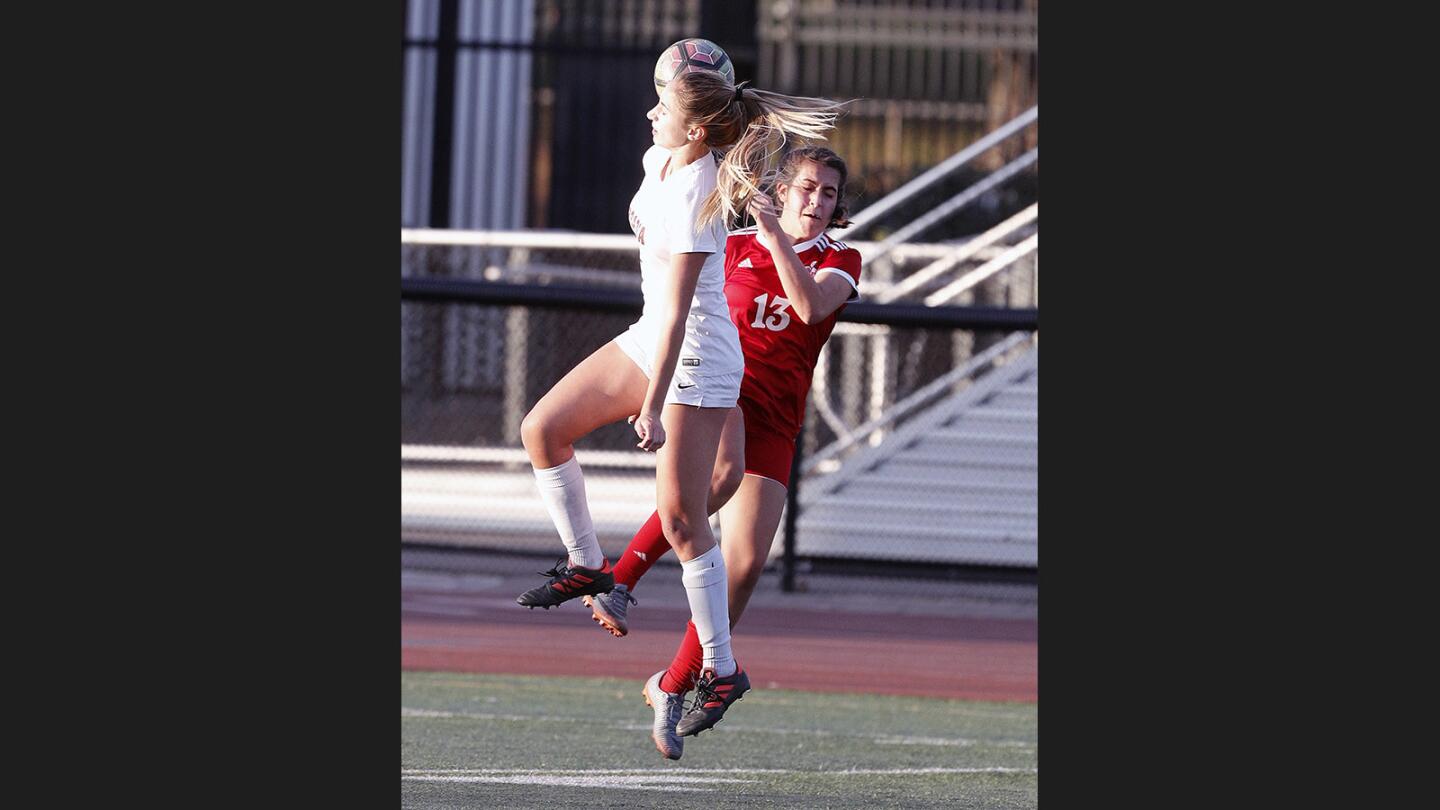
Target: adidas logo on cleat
<point>713,696</point>
<point>566,583</point>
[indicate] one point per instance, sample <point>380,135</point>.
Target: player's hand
<point>767,220</point>
<point>650,430</point>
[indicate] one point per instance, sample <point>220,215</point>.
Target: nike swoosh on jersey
<point>745,262</point>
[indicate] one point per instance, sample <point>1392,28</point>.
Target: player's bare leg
<point>683,473</point>
<point>605,387</point>
<point>682,488</point>
<point>729,470</point>
<point>611,610</point>
<point>683,484</point>
<point>749,522</point>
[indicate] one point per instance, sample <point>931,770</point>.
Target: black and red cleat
<point>568,582</point>
<point>713,695</point>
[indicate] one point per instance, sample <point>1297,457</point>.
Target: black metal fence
<point>477,355</point>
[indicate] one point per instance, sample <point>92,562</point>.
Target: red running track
<point>781,646</point>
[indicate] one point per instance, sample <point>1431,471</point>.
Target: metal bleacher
<point>957,484</point>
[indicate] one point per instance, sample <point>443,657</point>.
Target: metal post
<point>792,509</point>
<point>444,132</point>
<point>517,372</point>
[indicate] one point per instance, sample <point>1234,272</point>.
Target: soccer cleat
<point>567,582</point>
<point>713,695</point>
<point>609,609</point>
<point>667,706</point>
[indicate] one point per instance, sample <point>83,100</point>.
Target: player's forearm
<point>800,287</point>
<point>667,356</point>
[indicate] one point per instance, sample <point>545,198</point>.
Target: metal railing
<point>872,213</point>
<point>957,202</point>
<point>462,454</point>
<point>518,262</point>
<point>971,249</point>
<point>887,285</point>
<point>825,460</point>
<point>983,272</point>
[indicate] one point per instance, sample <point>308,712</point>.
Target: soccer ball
<point>690,55</point>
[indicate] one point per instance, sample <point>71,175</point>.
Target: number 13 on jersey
<point>778,319</point>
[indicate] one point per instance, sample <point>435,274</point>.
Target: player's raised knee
<point>535,434</point>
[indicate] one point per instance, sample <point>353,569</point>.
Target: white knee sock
<point>562,489</point>
<point>705,588</point>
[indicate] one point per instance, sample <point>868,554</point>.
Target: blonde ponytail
<point>752,129</point>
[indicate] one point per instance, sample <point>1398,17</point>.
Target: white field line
<point>886,739</point>
<point>432,609</point>
<point>685,774</point>
<point>734,728</point>
<point>951,709</point>
<point>983,712</point>
<point>524,718</point>
<point>669,782</point>
<point>892,739</point>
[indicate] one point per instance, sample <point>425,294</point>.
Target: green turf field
<point>523,741</point>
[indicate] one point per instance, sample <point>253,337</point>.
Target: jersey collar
<point>801,247</point>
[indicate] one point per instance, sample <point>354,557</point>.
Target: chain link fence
<point>876,487</point>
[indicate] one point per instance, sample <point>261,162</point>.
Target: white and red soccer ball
<point>689,56</point>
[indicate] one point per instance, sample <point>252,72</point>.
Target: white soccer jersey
<point>663,216</point>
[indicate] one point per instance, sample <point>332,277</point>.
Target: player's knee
<point>533,433</point>
<point>681,526</point>
<point>676,526</point>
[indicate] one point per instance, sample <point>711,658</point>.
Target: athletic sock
<point>685,666</point>
<point>706,590</point>
<point>645,548</point>
<point>562,488</point>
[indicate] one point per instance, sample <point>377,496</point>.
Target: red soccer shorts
<point>768,453</point>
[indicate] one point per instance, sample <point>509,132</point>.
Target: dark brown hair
<point>790,166</point>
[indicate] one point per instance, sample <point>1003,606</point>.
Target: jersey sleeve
<point>681,214</point>
<point>844,263</point>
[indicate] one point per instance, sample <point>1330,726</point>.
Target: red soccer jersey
<point>780,349</point>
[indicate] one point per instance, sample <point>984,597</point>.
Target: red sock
<point>680,678</point>
<point>644,549</point>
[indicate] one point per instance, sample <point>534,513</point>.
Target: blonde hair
<point>752,128</point>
